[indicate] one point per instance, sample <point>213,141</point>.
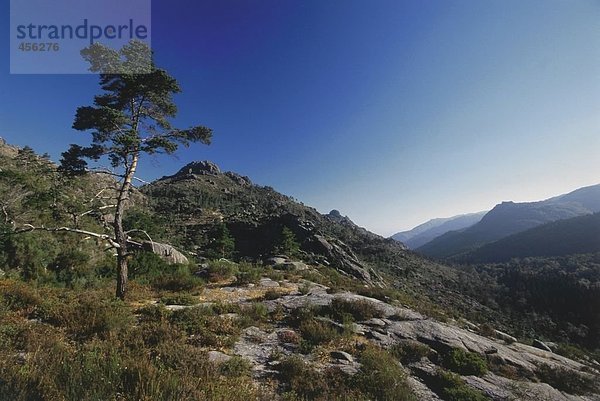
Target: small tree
<point>287,244</point>
<point>130,118</point>
<point>223,243</point>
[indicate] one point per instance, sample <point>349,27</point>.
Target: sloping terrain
<point>431,229</point>
<point>348,315</point>
<point>577,235</point>
<point>509,218</point>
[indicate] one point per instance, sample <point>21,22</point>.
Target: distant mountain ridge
<point>577,235</point>
<point>510,218</point>
<point>431,229</point>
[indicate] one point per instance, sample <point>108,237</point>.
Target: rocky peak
<point>203,167</point>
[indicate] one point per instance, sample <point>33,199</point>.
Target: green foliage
<point>30,253</point>
<point>248,273</point>
<point>359,309</point>
<point>303,382</point>
<point>91,314</point>
<point>176,278</point>
<point>567,380</point>
<point>102,358</point>
<point>452,387</point>
<point>207,328</point>
<point>221,270</point>
<point>316,332</point>
<point>140,222</point>
<point>465,363</point>
<point>410,351</point>
<point>381,377</point>
<point>236,367</point>
<point>287,243</point>
<point>147,265</point>
<point>222,244</point>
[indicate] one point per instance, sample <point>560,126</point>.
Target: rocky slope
<point>515,371</point>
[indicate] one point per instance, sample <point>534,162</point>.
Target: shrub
<point>381,377</point>
<point>287,243</point>
<point>272,294</point>
<point>247,274</point>
<point>235,367</point>
<point>359,309</point>
<point>91,314</point>
<point>177,278</point>
<point>289,337</point>
<point>221,270</point>
<point>147,265</point>
<point>303,382</point>
<point>315,332</point>
<point>465,363</point>
<point>410,351</point>
<point>452,387</point>
<point>567,380</point>
<point>206,327</point>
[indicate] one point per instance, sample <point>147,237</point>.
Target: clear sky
<point>391,111</point>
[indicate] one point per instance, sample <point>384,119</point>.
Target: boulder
<point>168,253</point>
<point>204,167</point>
<point>218,357</point>
<point>342,256</point>
<point>540,344</point>
<point>342,356</point>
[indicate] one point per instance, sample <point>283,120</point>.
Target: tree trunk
<point>120,236</point>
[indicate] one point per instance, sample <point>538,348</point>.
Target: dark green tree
<point>130,118</point>
<point>223,244</point>
<point>288,243</point>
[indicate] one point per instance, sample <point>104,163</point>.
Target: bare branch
<point>105,237</point>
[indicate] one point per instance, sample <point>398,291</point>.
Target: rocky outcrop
<point>340,256</point>
<point>399,324</point>
<point>166,252</point>
<point>204,167</point>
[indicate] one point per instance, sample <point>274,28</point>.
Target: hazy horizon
<point>392,112</point>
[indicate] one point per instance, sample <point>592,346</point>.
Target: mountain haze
<point>431,229</point>
<point>578,235</point>
<point>510,218</point>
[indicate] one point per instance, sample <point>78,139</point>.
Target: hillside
<point>431,229</point>
<point>577,235</point>
<point>509,218</point>
<point>345,314</point>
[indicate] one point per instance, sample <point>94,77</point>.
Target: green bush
<point>247,274</point>
<point>410,351</point>
<point>235,367</point>
<point>147,265</point>
<point>381,377</point>
<point>315,332</point>
<point>177,278</point>
<point>359,309</point>
<point>465,363</point>
<point>567,380</point>
<point>206,327</point>
<point>221,270</point>
<point>90,314</point>
<point>451,387</point>
<point>303,382</point>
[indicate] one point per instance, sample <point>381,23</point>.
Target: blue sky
<point>393,112</point>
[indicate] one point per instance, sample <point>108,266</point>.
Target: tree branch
<point>105,237</point>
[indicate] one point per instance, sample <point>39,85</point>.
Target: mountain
<point>510,218</point>
<point>577,235</point>
<point>335,318</point>
<point>422,234</point>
